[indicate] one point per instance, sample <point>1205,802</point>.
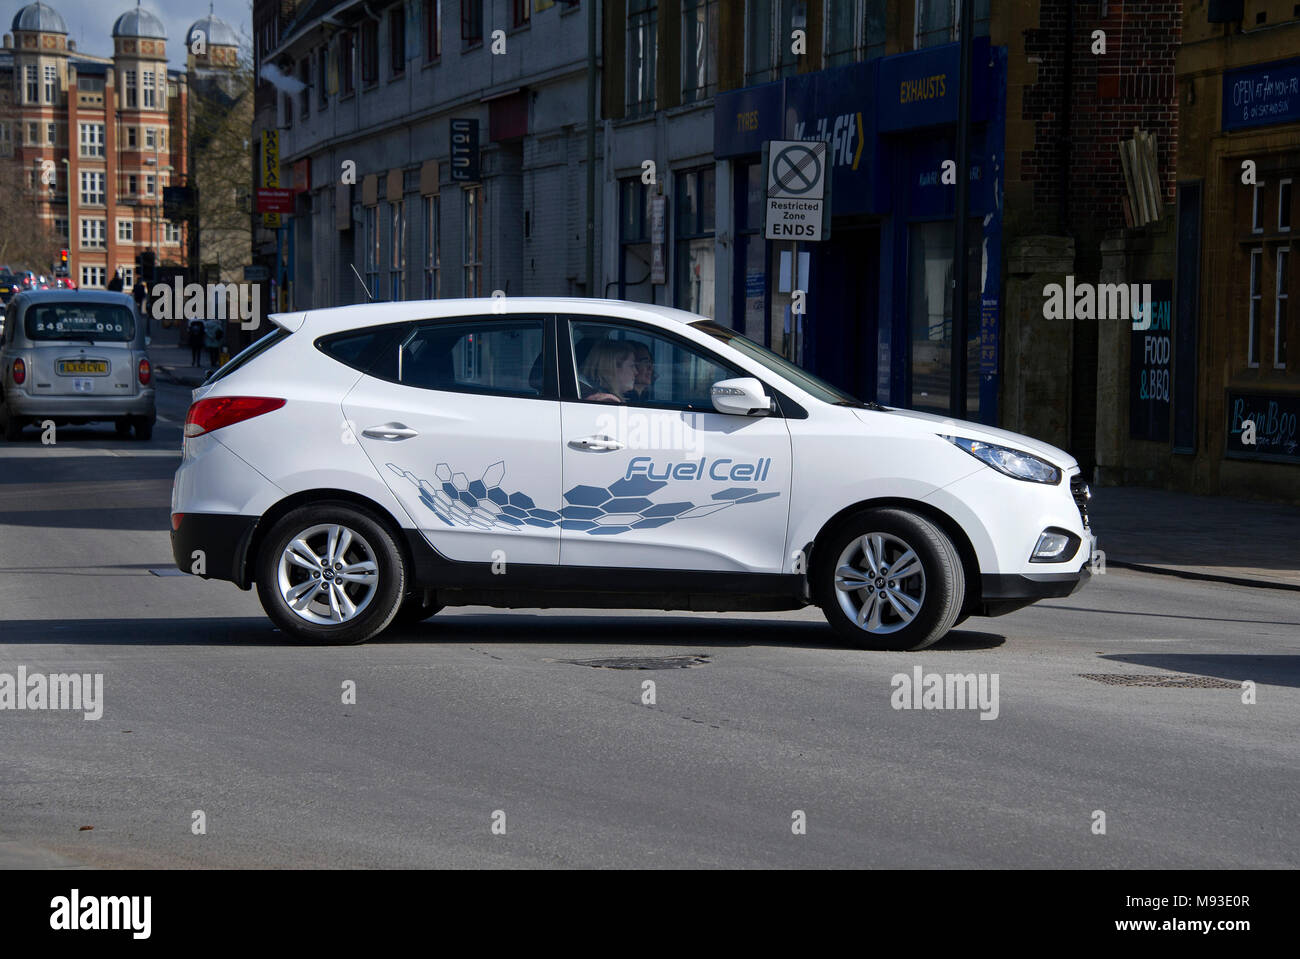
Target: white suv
<point>366,465</point>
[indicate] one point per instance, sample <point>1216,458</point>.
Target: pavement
<point>171,361</point>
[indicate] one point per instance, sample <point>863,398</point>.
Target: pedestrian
<point>116,283</point>
<point>140,293</point>
<point>212,339</point>
<point>196,341</point>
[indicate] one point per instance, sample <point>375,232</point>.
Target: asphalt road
<point>479,711</point>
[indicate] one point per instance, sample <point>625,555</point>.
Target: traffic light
<point>63,258</point>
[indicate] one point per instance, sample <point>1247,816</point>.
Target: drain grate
<point>1160,679</point>
<point>641,662</point>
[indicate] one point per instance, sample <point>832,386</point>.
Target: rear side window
<point>254,349</point>
<point>93,322</point>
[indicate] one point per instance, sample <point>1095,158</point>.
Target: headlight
<point>1017,464</point>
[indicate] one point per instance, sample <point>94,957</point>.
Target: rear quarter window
<point>372,351</point>
<point>249,353</point>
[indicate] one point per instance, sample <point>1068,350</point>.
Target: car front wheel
<point>890,579</point>
<point>330,574</point>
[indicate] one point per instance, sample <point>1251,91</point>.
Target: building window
<point>369,52</point>
<point>522,13</point>
<point>51,83</point>
<point>128,276</point>
<point>126,231</point>
<point>147,85</point>
<point>397,257</point>
<point>172,234</point>
<point>61,227</point>
<point>322,77</point>
<point>51,133</point>
<point>162,138</point>
<point>1279,313</point>
<point>92,187</point>
<point>372,250</point>
<point>92,139</point>
<point>149,140</point>
<point>693,241</point>
<point>288,111</point>
<point>938,21</point>
<point>699,49</point>
<point>131,91</point>
<point>1284,206</point>
<point>432,19</point>
<point>347,53</point>
<point>758,41</point>
<point>92,276</point>
<point>93,233</point>
<point>397,40</point>
<point>132,184</point>
<point>634,251</point>
<point>432,248</point>
<point>130,137</point>
<point>642,47</point>
<point>149,182</point>
<point>1257,209</point>
<point>473,262</point>
<point>32,91</point>
<point>855,31</point>
<point>304,95</point>
<point>33,134</point>
<point>471,23</point>
<point>1256,301</point>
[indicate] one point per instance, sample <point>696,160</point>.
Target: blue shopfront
<point>877,310</point>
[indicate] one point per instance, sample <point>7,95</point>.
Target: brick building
<point>108,131</point>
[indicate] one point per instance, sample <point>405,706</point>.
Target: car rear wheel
<point>330,574</point>
<point>890,579</point>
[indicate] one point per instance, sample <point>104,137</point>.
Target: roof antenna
<point>362,282</point>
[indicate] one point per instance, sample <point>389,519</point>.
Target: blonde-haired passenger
<point>610,368</point>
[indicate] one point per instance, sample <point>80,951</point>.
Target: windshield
<point>783,367</point>
<point>95,322</point>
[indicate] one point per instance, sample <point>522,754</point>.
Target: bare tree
<point>27,241</point>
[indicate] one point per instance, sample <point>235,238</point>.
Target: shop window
<point>938,21</point>
<point>1256,302</point>
<point>693,241</point>
<point>473,251</point>
<point>855,31</point>
<point>1280,315</point>
<point>432,247</point>
<point>930,312</point>
<point>634,241</point>
<point>642,48</point>
<point>699,49</point>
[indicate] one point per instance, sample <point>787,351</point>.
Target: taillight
<point>212,414</point>
<point>144,372</point>
<point>176,520</point>
<point>20,372</point>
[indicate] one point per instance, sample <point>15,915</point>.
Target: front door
<point>465,429</point>
<point>654,478</point>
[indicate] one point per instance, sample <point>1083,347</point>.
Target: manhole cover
<point>641,662</point>
<point>1160,679</point>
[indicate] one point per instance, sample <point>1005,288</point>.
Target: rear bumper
<point>82,407</point>
<point>213,545</point>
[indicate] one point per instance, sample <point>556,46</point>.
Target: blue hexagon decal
<point>629,505</point>
<point>586,495</point>
<point>636,486</point>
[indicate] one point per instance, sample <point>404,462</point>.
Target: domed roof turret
<point>217,31</point>
<point>139,22</point>
<point>39,18</point>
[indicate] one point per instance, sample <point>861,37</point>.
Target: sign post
<point>796,190</point>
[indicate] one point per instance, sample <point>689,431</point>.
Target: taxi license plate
<point>73,367</point>
<point>83,386</point>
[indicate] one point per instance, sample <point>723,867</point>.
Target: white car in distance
<point>370,465</point>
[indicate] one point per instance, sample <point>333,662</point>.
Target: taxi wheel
<point>890,579</point>
<point>122,426</point>
<point>330,573</point>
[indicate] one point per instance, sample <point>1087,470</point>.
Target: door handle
<point>390,431</point>
<point>601,444</point>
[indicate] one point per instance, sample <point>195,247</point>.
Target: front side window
<point>779,365</point>
<point>635,365</point>
<point>693,241</point>
<point>499,357</point>
<point>642,50</point>
<point>699,49</point>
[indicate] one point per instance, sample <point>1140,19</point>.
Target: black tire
<point>122,426</point>
<point>382,607</point>
<point>13,425</point>
<point>940,590</point>
<point>416,608</point>
<point>143,429</point>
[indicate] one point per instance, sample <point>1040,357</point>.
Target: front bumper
<point>1006,592</point>
<point>213,545</point>
<point>82,407</point>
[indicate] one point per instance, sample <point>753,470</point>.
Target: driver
<point>610,368</point>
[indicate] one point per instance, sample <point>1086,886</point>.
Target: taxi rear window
<point>95,322</point>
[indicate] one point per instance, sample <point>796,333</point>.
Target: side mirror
<point>742,396</point>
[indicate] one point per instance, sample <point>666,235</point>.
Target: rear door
<point>461,418</point>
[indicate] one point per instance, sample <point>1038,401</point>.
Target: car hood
<point>946,426</point>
